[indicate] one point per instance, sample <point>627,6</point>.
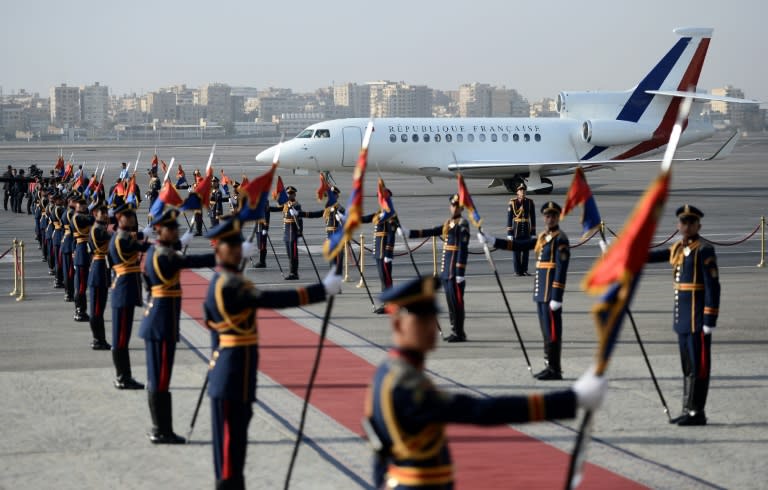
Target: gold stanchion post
<point>346,262</point>
<point>362,260</point>
<point>434,256</point>
<point>762,242</point>
<point>21,272</point>
<point>14,246</point>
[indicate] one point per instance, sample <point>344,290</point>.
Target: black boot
<point>234,483</point>
<point>99,341</point>
<point>162,418</point>
<point>153,411</point>
<point>262,260</point>
<point>553,371</point>
<point>698,398</point>
<point>124,380</point>
<point>687,380</point>
<point>80,314</point>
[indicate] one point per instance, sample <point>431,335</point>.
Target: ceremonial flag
<point>67,172</point>
<point>201,195</point>
<point>59,167</point>
<point>254,196</point>
<point>322,189</point>
<point>168,196</point>
<point>385,200</point>
<point>619,269</point>
<point>279,193</point>
<point>335,243</point>
<point>225,181</point>
<point>164,166</point>
<point>465,200</point>
<point>243,181</point>
<point>155,161</point>
<point>130,191</point>
<point>580,194</point>
<point>181,178</point>
<point>78,185</point>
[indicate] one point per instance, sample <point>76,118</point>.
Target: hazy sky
<point>538,47</point>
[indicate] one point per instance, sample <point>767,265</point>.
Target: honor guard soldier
<point>383,244</point>
<point>68,248</point>
<point>160,325</point>
<point>521,225</point>
<point>453,267</point>
<point>697,302</point>
<point>124,250</point>
<point>48,236</point>
<point>98,276</point>
<point>216,207</point>
<point>81,224</point>
<point>230,312</point>
<point>333,216</point>
<point>553,253</point>
<point>262,237</point>
<point>406,414</point>
<point>58,234</point>
<point>153,189</point>
<point>292,229</point>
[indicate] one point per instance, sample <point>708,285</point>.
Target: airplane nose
<point>266,156</point>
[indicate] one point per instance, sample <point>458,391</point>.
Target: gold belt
<point>416,476</point>
<point>229,340</point>
<point>521,220</point>
<point>688,286</point>
<point>545,265</point>
<point>122,269</point>
<point>451,248</point>
<point>81,240</point>
<point>161,292</point>
<point>99,256</point>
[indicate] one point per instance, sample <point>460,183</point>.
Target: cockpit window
<point>322,133</point>
<point>307,133</point>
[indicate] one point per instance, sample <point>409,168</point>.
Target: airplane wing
<point>568,167</point>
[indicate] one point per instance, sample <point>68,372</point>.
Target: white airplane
<point>594,130</point>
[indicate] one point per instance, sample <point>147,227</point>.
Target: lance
<point>579,454</point>
<point>311,259</point>
<point>362,277</point>
<point>506,302</point>
<point>197,408</point>
<point>136,165</point>
<point>168,170</point>
<point>269,240</point>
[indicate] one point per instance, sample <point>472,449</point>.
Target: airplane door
<point>353,139</point>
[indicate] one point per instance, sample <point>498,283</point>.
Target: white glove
<point>232,201</point>
<point>387,260</point>
<point>590,390</point>
<point>264,232</point>
<point>147,230</point>
<point>510,238</point>
<point>186,238</point>
<point>293,212</point>
<point>459,279</point>
<point>555,305</point>
<point>111,213</point>
<point>382,215</point>
<point>249,248</point>
<point>708,330</point>
<point>603,245</point>
<point>332,283</point>
<point>403,231</point>
<point>339,217</point>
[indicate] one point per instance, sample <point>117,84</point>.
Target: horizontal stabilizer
<point>697,96</point>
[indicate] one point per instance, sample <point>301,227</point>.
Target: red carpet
<point>498,457</point>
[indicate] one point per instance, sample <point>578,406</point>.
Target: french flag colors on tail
<point>385,199</point>
<point>617,272</point>
<point>200,197</point>
<point>465,200</point>
<point>279,193</point>
<point>580,194</point>
<point>168,196</point>
<point>335,243</point>
<point>254,196</point>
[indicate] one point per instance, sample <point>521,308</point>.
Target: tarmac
<point>65,426</point>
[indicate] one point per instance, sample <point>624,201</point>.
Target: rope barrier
<point>719,244</point>
<point>585,240</point>
<point>370,250</point>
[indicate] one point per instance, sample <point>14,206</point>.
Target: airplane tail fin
<point>678,70</point>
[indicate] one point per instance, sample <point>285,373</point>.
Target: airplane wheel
<point>511,184</point>
<point>545,190</point>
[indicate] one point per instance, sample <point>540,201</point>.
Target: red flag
<point>335,243</point>
<point>203,187</point>
<point>465,200</point>
<point>279,193</point>
<point>59,165</point>
<point>169,195</point>
<point>244,181</point>
<point>67,172</point>
<point>322,189</point>
<point>164,165</point>
<point>154,161</point>
<point>580,194</point>
<point>253,202</point>
<point>627,255</point>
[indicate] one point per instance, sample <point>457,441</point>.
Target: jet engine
<point>601,132</point>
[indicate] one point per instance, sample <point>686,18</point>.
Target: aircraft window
<point>426,138</point>
<point>515,137</point>
<point>482,136</point>
<point>470,137</point>
<point>537,137</point>
<point>494,137</point>
<point>322,133</point>
<point>505,137</point>
<point>459,137</point>
<point>448,138</point>
<point>527,137</point>
<point>393,137</point>
<point>415,138</point>
<point>437,138</point>
<point>307,133</point>
<point>404,138</point>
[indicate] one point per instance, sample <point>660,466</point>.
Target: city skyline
<point>537,49</point>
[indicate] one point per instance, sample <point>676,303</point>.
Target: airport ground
<point>65,426</point>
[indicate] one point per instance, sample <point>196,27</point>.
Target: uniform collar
<point>412,357</point>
